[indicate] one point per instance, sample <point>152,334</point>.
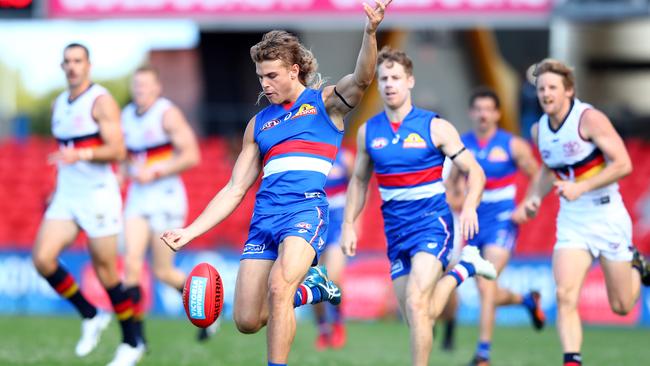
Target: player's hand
<point>146,175</point>
<point>176,239</point>
<point>571,191</point>
<point>520,216</point>
<point>348,240</point>
<point>66,155</point>
<point>531,206</point>
<point>375,15</point>
<point>468,223</point>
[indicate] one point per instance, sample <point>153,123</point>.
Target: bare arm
<point>245,172</point>
<point>597,127</point>
<point>446,138</point>
<point>107,114</point>
<point>184,141</point>
<point>356,193</point>
<point>352,86</point>
<point>523,156</point>
<point>455,187</point>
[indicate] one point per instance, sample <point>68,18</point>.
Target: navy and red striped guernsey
<point>408,167</point>
<point>298,146</point>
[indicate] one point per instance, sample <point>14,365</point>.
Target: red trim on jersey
<point>335,190</point>
<point>302,146</point>
<point>597,160</point>
<point>395,125</point>
<point>410,178</point>
<point>93,141</point>
<point>494,183</point>
<point>288,105</point>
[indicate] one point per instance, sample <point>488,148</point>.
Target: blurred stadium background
<point>201,48</point>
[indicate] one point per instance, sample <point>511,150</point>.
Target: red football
<point>203,295</point>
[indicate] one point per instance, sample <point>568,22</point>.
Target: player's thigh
<point>295,256</point>
<point>251,289</point>
<point>53,236</point>
<point>570,267</point>
<point>163,256</point>
<point>426,270</point>
<point>137,236</point>
<point>103,250</point>
<point>497,255</point>
<point>618,276</point>
<point>334,260</point>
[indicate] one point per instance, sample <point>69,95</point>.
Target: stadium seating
<point>26,181</point>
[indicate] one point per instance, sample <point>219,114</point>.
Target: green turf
<point>51,340</point>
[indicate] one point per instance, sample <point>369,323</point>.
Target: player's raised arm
<point>356,194</point>
<point>347,93</point>
<point>245,172</point>
<point>447,139</point>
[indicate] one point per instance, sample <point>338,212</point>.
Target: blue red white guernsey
<point>163,201</point>
<point>74,126</point>
<point>409,172</point>
<point>298,147</point>
<point>335,188</point>
<point>498,200</point>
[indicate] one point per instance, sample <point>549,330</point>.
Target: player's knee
<point>162,273</point>
<point>247,323</point>
<point>44,264</point>
<point>279,291</point>
<point>416,305</point>
<point>621,307</point>
<point>567,297</point>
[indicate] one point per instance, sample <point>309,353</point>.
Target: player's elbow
<point>626,168</point>
<point>193,159</point>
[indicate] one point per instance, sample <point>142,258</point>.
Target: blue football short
<point>268,231</point>
<point>436,238</point>
<point>499,232</point>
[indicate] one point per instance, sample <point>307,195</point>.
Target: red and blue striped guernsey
<point>495,157</point>
<point>409,170</point>
<point>298,145</point>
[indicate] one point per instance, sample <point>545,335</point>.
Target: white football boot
<point>483,267</point>
<point>91,331</point>
<point>127,355</point>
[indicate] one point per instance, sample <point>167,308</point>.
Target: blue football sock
<point>528,301</point>
<point>483,350</point>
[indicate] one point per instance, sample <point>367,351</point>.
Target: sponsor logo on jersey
<point>498,155</point>
<point>414,141</point>
<point>270,124</point>
<point>254,248</point>
<point>571,148</point>
<point>304,225</point>
<point>379,143</point>
<point>312,194</point>
<point>321,242</point>
<point>197,297</point>
<point>305,110</point>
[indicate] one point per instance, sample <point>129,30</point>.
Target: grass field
<point>51,340</point>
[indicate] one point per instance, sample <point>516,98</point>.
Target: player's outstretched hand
<point>468,223</point>
<point>375,15</point>
<point>176,239</point>
<point>348,240</point>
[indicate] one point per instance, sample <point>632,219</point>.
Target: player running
<point>584,157</point>
<point>406,147</point>
<point>161,145</point>
<point>293,142</point>
<point>86,124</point>
<point>500,154</point>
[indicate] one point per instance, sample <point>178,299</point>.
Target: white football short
<point>162,203</point>
<point>96,209</point>
<point>603,228</point>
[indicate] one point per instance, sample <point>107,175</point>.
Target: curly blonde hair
<point>282,45</point>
